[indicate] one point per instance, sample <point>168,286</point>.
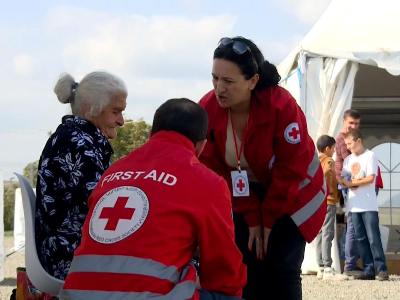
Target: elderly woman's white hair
<point>96,90</point>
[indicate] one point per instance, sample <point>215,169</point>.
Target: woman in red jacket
<point>258,140</point>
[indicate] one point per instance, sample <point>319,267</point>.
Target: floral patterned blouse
<point>71,164</point>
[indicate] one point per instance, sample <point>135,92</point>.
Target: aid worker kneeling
<point>150,212</point>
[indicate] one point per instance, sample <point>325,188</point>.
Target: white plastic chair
<point>37,275</point>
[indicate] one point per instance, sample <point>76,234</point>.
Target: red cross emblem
<point>292,133</point>
<point>119,213</point>
<point>240,185</point>
<point>116,213</point>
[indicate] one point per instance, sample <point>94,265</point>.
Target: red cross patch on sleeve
<point>292,133</point>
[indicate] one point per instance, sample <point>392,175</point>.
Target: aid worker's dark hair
<point>183,116</point>
<point>325,141</point>
<point>250,63</point>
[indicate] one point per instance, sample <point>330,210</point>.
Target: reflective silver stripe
<point>185,270</point>
<point>124,265</point>
<point>311,170</point>
<point>314,165</point>
<point>184,290</point>
<point>304,213</point>
<point>304,183</point>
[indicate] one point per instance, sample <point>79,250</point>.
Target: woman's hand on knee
<point>255,236</point>
<point>266,233</point>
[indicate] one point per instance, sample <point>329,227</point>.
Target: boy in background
<point>326,148</point>
<point>362,166</point>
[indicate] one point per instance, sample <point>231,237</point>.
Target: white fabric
<point>362,198</point>
<point>357,30</point>
<point>19,222</point>
<point>292,84</point>
<point>337,82</point>
<point>310,265</point>
<point>1,227</point>
<point>325,87</point>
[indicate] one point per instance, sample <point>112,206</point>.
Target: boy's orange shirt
<point>328,166</point>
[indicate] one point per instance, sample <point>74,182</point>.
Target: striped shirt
<point>341,153</point>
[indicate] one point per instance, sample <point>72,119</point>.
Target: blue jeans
<point>350,247</point>
<point>366,225</point>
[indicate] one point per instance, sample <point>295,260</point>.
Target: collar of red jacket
<point>173,137</point>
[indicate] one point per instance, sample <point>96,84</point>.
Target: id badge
<point>240,184</point>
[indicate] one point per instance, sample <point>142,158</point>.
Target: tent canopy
<point>364,31</point>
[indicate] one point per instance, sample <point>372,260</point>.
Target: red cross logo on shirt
<point>114,214</point>
<point>240,185</point>
<point>292,133</point>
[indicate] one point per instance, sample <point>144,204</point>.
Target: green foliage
<point>30,172</point>
<point>130,136</point>
<point>9,197</point>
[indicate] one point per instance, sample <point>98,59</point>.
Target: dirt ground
<point>17,259</point>
<point>313,289</point>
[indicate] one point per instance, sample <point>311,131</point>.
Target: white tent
<point>322,68</point>
<point>320,72</point>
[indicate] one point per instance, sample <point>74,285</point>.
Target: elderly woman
<point>72,162</point>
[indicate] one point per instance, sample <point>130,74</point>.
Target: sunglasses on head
<point>237,46</point>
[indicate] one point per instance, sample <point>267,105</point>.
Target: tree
<point>9,199</point>
<point>30,172</point>
<point>130,136</point>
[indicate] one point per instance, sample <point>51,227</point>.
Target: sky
<point>161,49</point>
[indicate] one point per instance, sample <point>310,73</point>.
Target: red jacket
<point>281,155</point>
<point>147,216</point>
<point>379,181</point>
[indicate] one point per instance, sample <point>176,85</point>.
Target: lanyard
<point>237,152</point>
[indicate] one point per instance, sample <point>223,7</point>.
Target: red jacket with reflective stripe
<point>189,210</point>
<point>289,171</point>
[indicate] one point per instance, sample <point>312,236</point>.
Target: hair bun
<point>270,73</point>
<point>65,88</point>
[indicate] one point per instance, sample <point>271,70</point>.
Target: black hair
<point>352,113</point>
<point>250,62</point>
<point>325,141</point>
<point>183,116</point>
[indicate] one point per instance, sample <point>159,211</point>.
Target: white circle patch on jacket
<point>118,213</point>
<point>292,133</point>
